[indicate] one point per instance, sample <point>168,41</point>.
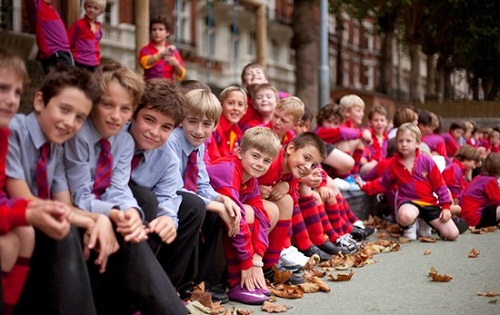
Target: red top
<point>161,68</point>
<point>482,192</point>
<point>84,43</point>
<point>224,140</point>
<point>454,177</point>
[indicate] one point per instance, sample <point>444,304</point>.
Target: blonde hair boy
<point>349,101</point>
<point>293,106</point>
<point>262,139</point>
<point>202,103</point>
<point>411,127</point>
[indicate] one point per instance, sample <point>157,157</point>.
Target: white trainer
<point>411,233</point>
<point>424,229</point>
<point>291,256</point>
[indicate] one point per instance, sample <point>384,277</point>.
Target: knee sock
<point>312,219</point>
<point>13,283</point>
<point>333,212</point>
<point>299,230</point>
<point>346,214</point>
<point>277,240</point>
<point>327,227</point>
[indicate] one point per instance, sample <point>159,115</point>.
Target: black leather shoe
<point>218,293</point>
<point>329,248</point>
<point>315,250</point>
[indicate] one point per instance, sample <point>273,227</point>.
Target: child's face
<point>282,122</point>
<point>11,89</point>
<point>355,114</point>
<point>92,10</point>
<point>158,32</point>
<point>469,164</point>
<point>495,138</point>
<point>234,107</point>
<point>113,110</point>
<point>197,129</point>
<point>301,162</point>
<point>407,143</point>
<point>302,126</point>
<point>332,122</point>
<point>265,101</point>
<point>254,76</point>
<point>151,129</point>
<point>254,162</point>
<point>378,123</point>
<point>457,133</point>
<point>64,114</point>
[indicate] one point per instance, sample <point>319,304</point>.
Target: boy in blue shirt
<point>58,281</point>
<point>98,163</point>
<point>174,216</point>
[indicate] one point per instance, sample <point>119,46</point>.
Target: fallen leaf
<point>281,276</point>
<point>274,307</point>
<point>196,308</point>
<point>341,276</point>
<point>493,301</point>
<point>403,239</point>
<point>322,286</point>
<point>427,239</point>
<point>483,230</point>
<point>240,311</point>
<point>496,293</point>
<point>382,235</point>
<point>287,291</point>
<point>439,278</point>
<point>473,253</point>
<point>427,252</point>
<point>309,287</point>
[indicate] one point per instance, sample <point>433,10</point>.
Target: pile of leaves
<point>200,303</point>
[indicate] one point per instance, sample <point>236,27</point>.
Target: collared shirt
<point>158,170</point>
<point>50,31</point>
<point>181,147</point>
<point>454,177</point>
<point>25,140</point>
<point>160,69</point>
<point>84,43</point>
<point>276,174</point>
<point>80,158</point>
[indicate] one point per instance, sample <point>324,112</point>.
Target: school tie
<point>191,173</point>
<point>103,169</point>
<point>42,182</point>
<point>135,161</point>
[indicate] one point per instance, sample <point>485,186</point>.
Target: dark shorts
<point>426,213</point>
<point>329,148</point>
<point>488,217</point>
<point>59,56</point>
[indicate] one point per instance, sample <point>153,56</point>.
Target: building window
<point>251,43</point>
<point>6,15</point>
<point>110,15</point>
<point>184,22</point>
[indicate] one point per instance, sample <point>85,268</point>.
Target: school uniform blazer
<point>482,192</point>
<point>158,170</point>
<point>80,158</point>
<point>182,148</point>
<point>454,177</point>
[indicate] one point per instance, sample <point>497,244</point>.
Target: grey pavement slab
<point>398,282</point>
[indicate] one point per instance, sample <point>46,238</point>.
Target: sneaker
<point>264,291</point>
<point>294,279</point>
<point>291,257</point>
<point>246,296</point>
<point>218,293</point>
<point>461,224</point>
<point>329,248</point>
<point>424,229</point>
<point>315,250</point>
<point>347,244</point>
<point>411,232</point>
<point>360,234</point>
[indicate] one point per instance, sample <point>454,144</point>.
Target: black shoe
<point>315,250</point>
<point>360,234</point>
<point>461,224</point>
<point>218,293</point>
<point>294,279</point>
<point>329,248</point>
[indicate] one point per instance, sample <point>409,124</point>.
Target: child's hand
<point>445,215</point>
<point>101,237</point>
<point>279,191</point>
<point>312,180</point>
<point>233,227</point>
<point>129,225</point>
<point>360,182</point>
<point>367,137</point>
<point>253,278</point>
<point>51,217</point>
<point>325,193</point>
<point>165,228</point>
<point>265,191</point>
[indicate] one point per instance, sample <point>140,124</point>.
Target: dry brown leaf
<point>322,286</point>
<point>203,297</point>
<point>287,291</point>
<point>273,307</point>
<point>474,253</point>
<point>383,243</point>
<point>403,240</point>
<point>427,252</point>
<point>439,278</point>
<point>490,294</point>
<point>341,276</point>
<point>383,235</point>
<point>394,229</point>
<point>281,276</point>
<point>427,239</point>
<point>483,230</point>
<point>309,287</point>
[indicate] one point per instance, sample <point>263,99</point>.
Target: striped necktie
<point>135,161</point>
<point>103,169</point>
<point>191,173</point>
<point>42,182</point>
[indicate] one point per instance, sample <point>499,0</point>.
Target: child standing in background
<point>85,34</point>
<point>159,59</point>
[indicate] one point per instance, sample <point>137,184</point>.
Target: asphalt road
<point>398,282</point>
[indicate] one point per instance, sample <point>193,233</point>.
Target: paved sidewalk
<point>398,282</point>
